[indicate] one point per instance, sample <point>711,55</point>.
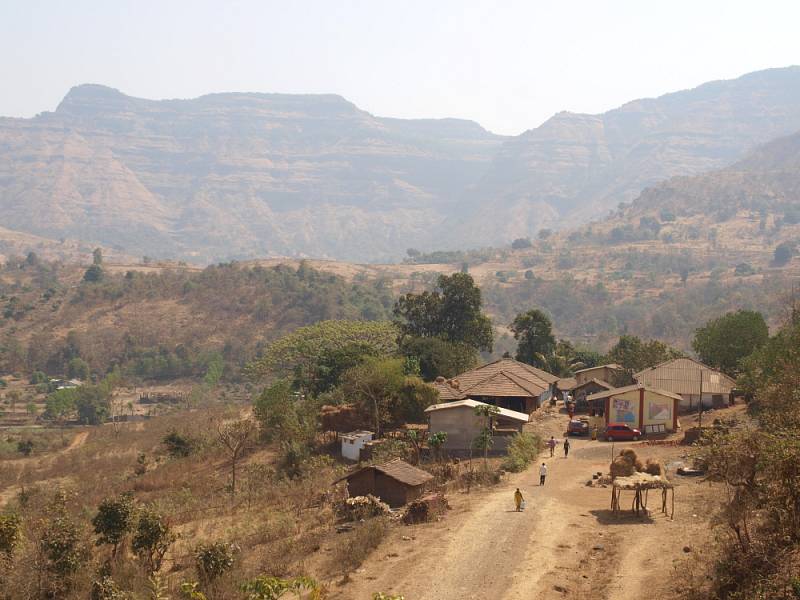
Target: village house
<point>608,373</point>
<point>395,482</point>
<point>462,425</point>
<point>506,383</point>
<point>690,379</point>
<point>581,391</point>
<point>647,409</point>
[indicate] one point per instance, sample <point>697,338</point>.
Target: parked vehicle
<point>618,432</point>
<point>578,427</point>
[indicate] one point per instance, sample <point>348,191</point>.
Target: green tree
<point>77,368</point>
<point>386,393</point>
<point>214,560</point>
<point>283,416</point>
<point>451,312</point>
<point>273,588</point>
<point>114,520</point>
<point>533,331</point>
<point>723,342</point>
<point>783,254</point>
<point>151,539</point>
<point>316,355</point>
<point>439,358</point>
<point>61,553</point>
<point>94,274</point>
<point>634,355</point>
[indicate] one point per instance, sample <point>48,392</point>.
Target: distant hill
<point>233,176</point>
<point>576,167</point>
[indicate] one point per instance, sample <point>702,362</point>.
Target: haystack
<point>654,467</point>
<point>626,464</point>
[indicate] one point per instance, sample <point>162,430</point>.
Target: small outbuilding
<point>353,442</point>
<point>648,409</point>
<point>395,482</point>
<point>462,425</point>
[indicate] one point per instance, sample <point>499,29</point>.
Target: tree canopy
<point>533,331</point>
<point>723,342</point>
<point>634,354</point>
<point>451,312</point>
<point>317,354</point>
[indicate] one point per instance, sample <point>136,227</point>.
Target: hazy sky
<point>508,65</point>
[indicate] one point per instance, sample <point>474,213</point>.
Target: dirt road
<point>565,545</point>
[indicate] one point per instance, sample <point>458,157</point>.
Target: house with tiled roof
<point>506,383</point>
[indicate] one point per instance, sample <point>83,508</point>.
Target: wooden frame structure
<point>641,484</point>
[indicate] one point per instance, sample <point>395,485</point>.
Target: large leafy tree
<point>725,341</point>
<point>633,354</point>
<point>533,331</point>
<point>438,357</point>
<point>318,354</point>
<point>451,312</point>
<point>387,393</point>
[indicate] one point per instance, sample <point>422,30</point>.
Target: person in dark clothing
<point>566,448</point>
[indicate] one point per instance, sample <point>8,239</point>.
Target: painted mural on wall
<point>624,411</point>
<point>660,412</point>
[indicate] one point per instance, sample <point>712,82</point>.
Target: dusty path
<point>565,545</point>
<point>7,493</point>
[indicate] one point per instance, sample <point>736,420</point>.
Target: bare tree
<point>235,437</point>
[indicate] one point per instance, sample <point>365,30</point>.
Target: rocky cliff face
<point>241,175</point>
<point>577,167</point>
<point>235,175</point>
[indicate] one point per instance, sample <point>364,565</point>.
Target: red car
<point>616,432</point>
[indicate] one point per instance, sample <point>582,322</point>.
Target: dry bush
<point>355,546</point>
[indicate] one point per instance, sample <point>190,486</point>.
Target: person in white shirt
<point>542,473</point>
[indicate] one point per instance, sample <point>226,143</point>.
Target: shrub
<point>114,520</point>
<point>25,447</point>
<point>272,588</point>
<point>178,445</point>
<point>355,546</point>
<point>152,539</point>
<point>9,534</point>
<point>523,449</point>
<point>214,560</point>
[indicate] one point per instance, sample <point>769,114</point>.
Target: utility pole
<point>700,415</point>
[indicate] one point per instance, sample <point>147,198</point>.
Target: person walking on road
<point>518,500</point>
<point>551,443</point>
<point>566,447</point>
<point>542,473</point>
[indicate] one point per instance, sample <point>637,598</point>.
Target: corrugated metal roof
<point>504,412</point>
<point>682,376</point>
<point>632,388</point>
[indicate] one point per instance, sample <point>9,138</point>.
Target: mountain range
<point>241,175</point>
